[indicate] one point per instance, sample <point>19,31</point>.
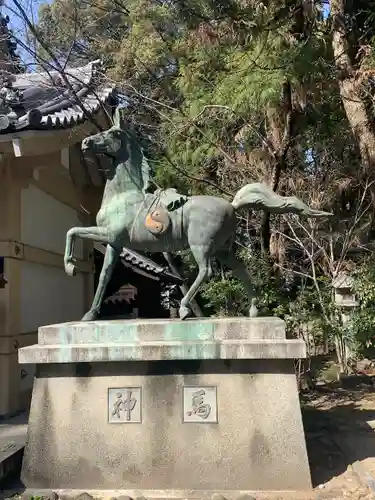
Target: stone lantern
<point>346,300</point>
<point>344,295</point>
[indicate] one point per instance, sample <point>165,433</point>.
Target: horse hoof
<point>70,269</point>
<point>183,312</point>
<point>90,316</point>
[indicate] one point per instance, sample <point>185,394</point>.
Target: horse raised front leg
<point>111,256</point>
<point>94,233</point>
<point>202,256</point>
<point>241,272</point>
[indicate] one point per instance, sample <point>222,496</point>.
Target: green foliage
<point>363,319</point>
<point>305,307</point>
<point>364,283</point>
<point>225,297</point>
<point>298,305</point>
<point>216,65</point>
<point>362,328</point>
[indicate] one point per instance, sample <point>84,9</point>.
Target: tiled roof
<point>44,101</point>
<point>127,293</point>
<point>138,262</point>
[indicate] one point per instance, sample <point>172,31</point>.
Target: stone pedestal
<point>149,405</point>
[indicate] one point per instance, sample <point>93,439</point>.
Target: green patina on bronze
<point>112,332</point>
<point>153,340</point>
<point>125,217</point>
<point>150,331</point>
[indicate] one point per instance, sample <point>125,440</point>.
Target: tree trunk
<point>354,105</point>
<point>280,120</point>
<point>279,138</point>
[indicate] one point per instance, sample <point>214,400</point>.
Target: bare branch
<point>57,64</point>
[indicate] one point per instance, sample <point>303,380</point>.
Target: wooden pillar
<point>10,232</point>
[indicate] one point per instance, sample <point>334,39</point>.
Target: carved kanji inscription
<point>200,404</point>
<point>124,405</point>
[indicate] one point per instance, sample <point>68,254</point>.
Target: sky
<point>30,6</point>
<point>326,9</point>
<point>17,24</point>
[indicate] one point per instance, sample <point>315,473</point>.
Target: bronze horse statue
<point>165,220</point>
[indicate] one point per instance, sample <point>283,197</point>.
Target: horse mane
<point>145,166</point>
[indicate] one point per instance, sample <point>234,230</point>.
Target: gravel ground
<point>339,426</point>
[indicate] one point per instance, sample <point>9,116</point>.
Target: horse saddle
<point>158,221</point>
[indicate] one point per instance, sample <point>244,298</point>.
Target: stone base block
<point>196,424</point>
<point>166,495</point>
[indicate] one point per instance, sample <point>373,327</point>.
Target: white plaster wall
<point>45,221</point>
<point>49,296</point>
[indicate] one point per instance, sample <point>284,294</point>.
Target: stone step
<point>158,330</point>
<point>163,351</point>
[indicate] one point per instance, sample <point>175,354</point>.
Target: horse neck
<point>120,183</point>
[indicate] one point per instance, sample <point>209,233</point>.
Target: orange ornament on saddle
<point>157,221</point>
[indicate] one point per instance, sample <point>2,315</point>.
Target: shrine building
<point>47,187</point>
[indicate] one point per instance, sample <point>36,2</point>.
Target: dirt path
<point>339,426</point>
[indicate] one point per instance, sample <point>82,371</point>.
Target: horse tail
<point>260,197</point>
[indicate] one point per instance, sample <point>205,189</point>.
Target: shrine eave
<point>143,265</point>
<point>41,101</point>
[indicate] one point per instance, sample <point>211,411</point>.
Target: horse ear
<point>118,120</point>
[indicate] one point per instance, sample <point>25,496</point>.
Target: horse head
<point>120,146</point>
<point>112,142</point>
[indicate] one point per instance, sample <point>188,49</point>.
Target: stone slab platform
<point>153,340</point>
<point>160,330</point>
<point>156,351</point>
<point>211,406</point>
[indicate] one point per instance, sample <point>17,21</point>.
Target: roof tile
<point>46,103</point>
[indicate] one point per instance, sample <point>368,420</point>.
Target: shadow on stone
<point>337,430</point>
